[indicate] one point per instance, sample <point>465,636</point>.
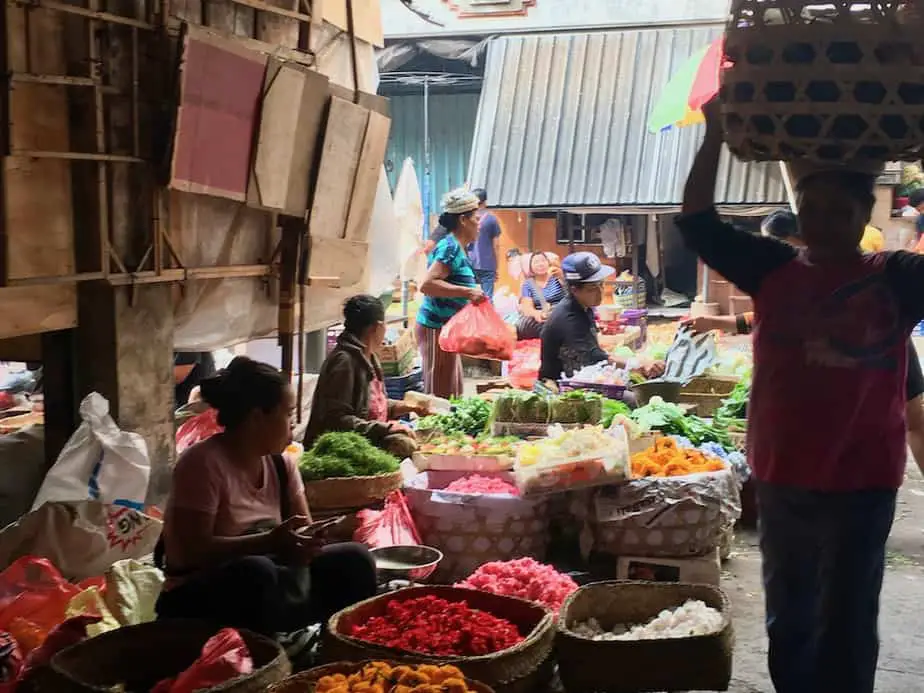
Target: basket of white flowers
<point>630,637</point>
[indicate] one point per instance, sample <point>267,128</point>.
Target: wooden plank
<point>367,177</point>
<point>373,102</point>
<point>343,141</point>
<point>367,18</point>
<point>291,120</point>
<point>37,205</point>
<point>25,348</point>
<point>35,309</point>
<point>219,109</point>
<point>338,257</point>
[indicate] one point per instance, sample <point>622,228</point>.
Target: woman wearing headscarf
<point>447,287</point>
<point>542,289</point>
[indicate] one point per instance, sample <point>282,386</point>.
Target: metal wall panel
<point>452,122</point>
<point>563,123</point>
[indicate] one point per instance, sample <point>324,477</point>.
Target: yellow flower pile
<point>381,677</point>
<point>665,458</point>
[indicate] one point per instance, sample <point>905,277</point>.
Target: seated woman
<point>350,394</point>
<point>542,290</point>
<point>231,548</point>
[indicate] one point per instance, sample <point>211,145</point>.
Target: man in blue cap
<point>569,337</point>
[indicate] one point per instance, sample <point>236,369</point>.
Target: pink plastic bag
<point>392,526</point>
<point>198,428</point>
<point>224,657</point>
<point>479,331</point>
<point>524,364</point>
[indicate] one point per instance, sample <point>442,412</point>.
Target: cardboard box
<point>701,570</point>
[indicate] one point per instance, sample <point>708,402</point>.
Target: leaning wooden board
<point>343,143</point>
<point>295,102</point>
<point>365,185</point>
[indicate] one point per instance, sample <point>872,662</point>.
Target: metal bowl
<point>406,562</point>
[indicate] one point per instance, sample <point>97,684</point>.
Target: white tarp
<point>409,222</point>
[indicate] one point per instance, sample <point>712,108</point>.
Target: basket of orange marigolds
<point>679,502</point>
<point>376,676</point>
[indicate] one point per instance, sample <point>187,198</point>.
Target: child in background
<point>826,420</point>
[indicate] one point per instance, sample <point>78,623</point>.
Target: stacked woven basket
<point>827,83</point>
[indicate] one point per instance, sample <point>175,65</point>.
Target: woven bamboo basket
<point>697,663</point>
<point>306,681</point>
<point>138,657</point>
<point>706,393</point>
<point>519,669</point>
<point>826,83</point>
<point>351,492</point>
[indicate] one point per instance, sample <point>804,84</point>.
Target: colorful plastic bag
<point>479,331</point>
<point>198,428</point>
<point>224,657</point>
<point>392,526</point>
<point>34,599</point>
<point>524,364</point>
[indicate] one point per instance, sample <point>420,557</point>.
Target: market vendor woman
<point>350,394</point>
<point>232,552</point>
<point>569,338</point>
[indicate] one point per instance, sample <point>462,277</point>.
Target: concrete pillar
<point>124,346</point>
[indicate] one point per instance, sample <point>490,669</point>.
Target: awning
<point>562,123</point>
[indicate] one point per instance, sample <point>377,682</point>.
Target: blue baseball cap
<point>585,268</point>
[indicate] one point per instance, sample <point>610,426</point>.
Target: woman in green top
<point>448,286</point>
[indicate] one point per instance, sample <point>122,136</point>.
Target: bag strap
<point>282,474</point>
<point>538,293</point>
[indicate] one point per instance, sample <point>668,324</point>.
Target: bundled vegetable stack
<point>524,578</point>
<point>577,407</point>
<point>478,485</point>
<point>666,458</point>
<point>338,455</point>
<point>436,626</point>
<point>381,677</point>
<point>469,415</point>
<point>692,619</point>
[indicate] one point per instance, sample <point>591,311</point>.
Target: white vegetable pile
<point>693,618</point>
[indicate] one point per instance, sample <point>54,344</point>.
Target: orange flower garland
<point>665,458</point>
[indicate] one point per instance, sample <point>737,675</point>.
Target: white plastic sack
<point>409,222</point>
<point>100,462</point>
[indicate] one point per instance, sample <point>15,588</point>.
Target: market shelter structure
<point>562,127</point>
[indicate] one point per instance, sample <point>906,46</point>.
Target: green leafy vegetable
<point>611,409</point>
<point>734,409</point>
<point>469,415</point>
<point>671,419</point>
<point>340,454</point>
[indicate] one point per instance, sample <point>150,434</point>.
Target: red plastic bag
<point>224,657</point>
<point>33,600</point>
<point>198,428</point>
<point>392,526</point>
<point>70,632</point>
<point>524,364</point>
<point>478,330</point>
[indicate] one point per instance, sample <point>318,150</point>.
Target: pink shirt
<point>827,407</point>
<point>205,481</point>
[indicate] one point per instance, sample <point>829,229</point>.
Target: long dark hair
<point>240,388</point>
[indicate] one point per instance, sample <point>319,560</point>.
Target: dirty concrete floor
<point>901,661</point>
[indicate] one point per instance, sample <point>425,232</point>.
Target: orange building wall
<point>513,235</point>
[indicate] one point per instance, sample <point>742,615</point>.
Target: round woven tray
<point>824,83</point>
<point>139,657</point>
<point>524,667</point>
<point>306,681</point>
<point>698,663</point>
<point>351,492</point>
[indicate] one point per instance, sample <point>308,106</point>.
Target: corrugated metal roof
<point>452,121</point>
<point>562,122</point>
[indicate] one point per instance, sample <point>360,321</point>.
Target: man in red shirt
<point>826,420</point>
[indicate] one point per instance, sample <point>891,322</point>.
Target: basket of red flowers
<point>501,641</point>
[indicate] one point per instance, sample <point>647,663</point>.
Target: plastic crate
<point>412,382</point>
